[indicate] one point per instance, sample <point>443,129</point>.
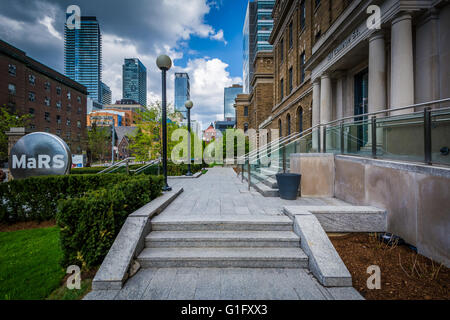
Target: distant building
<point>123,140</point>
<point>224,125</point>
<point>93,105</point>
<point>134,77</point>
<point>230,95</point>
<point>195,127</point>
<point>104,118</point>
<point>126,101</point>
<point>258,26</point>
<point>55,103</point>
<point>182,92</point>
<point>83,56</point>
<point>136,108</point>
<point>209,134</point>
<point>106,94</point>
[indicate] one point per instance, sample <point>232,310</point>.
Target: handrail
<point>116,165</point>
<point>148,165</point>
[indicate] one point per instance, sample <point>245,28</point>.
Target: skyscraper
<point>257,28</point>
<point>182,92</point>
<point>83,56</point>
<point>106,94</point>
<point>230,94</point>
<point>134,78</point>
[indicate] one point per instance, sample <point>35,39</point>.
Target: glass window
<point>58,105</point>
<point>68,95</point>
<point>282,50</point>
<point>58,91</point>
<point>58,132</point>
<point>288,120</point>
<point>31,96</point>
<point>12,89</point>
<point>245,111</point>
<point>47,129</point>
<point>302,15</point>
<point>281,89</point>
<point>290,79</point>
<point>47,101</point>
<point>47,116</point>
<point>291,38</point>
<point>280,131</point>
<point>79,124</point>
<point>58,119</point>
<point>31,112</point>
<point>245,127</point>
<point>32,79</point>
<point>317,2</point>
<point>302,67</point>
<point>79,110</point>
<point>12,69</point>
<point>47,85</point>
<point>68,122</point>
<point>78,99</point>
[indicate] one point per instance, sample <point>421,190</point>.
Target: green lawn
<point>29,264</point>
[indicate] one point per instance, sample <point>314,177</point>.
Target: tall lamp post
<point>164,63</point>
<point>189,104</point>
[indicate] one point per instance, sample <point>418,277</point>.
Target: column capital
<point>404,15</point>
<point>325,76</point>
<point>377,35</point>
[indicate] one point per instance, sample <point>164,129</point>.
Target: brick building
<point>56,103</point>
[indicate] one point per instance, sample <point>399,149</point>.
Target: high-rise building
<point>106,94</point>
<point>229,96</point>
<point>257,28</point>
<point>134,77</point>
<point>182,92</point>
<point>83,56</point>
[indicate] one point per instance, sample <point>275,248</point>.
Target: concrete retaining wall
<point>416,197</point>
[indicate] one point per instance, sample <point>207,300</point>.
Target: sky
<point>203,38</point>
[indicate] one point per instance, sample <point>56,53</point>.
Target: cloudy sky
<point>203,38</point>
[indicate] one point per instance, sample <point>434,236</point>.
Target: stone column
<point>402,65</point>
<point>325,103</point>
<point>315,112</point>
<point>14,134</point>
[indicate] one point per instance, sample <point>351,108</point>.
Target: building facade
<point>106,94</point>
<point>257,28</point>
<point>55,103</point>
<point>134,77</point>
<point>182,92</point>
<point>83,56</point>
<point>104,118</point>
<point>229,96</point>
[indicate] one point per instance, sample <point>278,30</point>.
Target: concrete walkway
<point>218,194</point>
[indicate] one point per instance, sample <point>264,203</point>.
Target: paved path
<point>220,193</point>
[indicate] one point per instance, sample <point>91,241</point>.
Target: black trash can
<point>288,184</point>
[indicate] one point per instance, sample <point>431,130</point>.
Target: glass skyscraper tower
<point>134,77</point>
<point>257,28</point>
<point>83,56</point>
<point>182,92</point>
<point>230,94</point>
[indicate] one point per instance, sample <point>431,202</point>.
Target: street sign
<point>39,154</point>
<point>78,160</point>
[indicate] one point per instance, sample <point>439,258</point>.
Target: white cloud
<point>219,37</point>
<point>48,22</point>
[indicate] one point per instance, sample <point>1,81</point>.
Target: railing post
<point>248,174</point>
<point>342,138</point>
<point>242,172</point>
<point>128,168</point>
<point>318,138</point>
<point>284,159</point>
<point>427,135</point>
<point>324,149</point>
<point>374,137</point>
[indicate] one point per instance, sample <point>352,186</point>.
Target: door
<point>361,100</point>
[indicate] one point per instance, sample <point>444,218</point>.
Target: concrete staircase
<point>236,241</point>
<point>265,181</point>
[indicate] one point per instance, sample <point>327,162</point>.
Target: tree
<point>9,120</point>
<point>99,142</point>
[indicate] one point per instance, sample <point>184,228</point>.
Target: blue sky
<point>203,37</point>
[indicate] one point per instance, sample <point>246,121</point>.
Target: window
<point>318,35</point>
<point>47,116</point>
<point>302,15</point>
<point>302,67</point>
<point>291,38</point>
<point>281,89</point>
<point>47,86</point>
<point>68,134</point>
<point>68,95</point>
<point>79,99</point>
<point>290,80</point>
<point>12,69</point>
<point>58,119</point>
<point>31,112</point>
<point>58,132</point>
<point>69,107</point>
<point>58,91</point>
<point>245,111</point>
<point>32,126</point>
<point>47,101</point>
<point>31,96</point>
<point>288,122</point>
<point>300,119</point>
<point>79,124</point>
<point>280,130</point>
<point>58,105</point>
<point>47,129</point>
<point>12,89</point>
<point>79,110</point>
<point>67,122</point>
<point>245,127</point>
<point>281,50</point>
<point>32,79</point>
<point>317,2</point>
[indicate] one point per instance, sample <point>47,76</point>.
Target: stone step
<point>268,181</point>
<point>265,190</point>
<point>270,172</point>
<point>281,239</point>
<point>223,257</point>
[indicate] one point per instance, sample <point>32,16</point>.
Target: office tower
<point>229,97</point>
<point>106,94</point>
<point>83,56</point>
<point>182,92</point>
<point>134,78</point>
<point>257,28</point>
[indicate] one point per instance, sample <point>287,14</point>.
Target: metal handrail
<point>148,165</point>
<point>116,165</point>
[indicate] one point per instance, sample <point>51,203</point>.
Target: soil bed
<point>405,275</point>
<point>26,225</point>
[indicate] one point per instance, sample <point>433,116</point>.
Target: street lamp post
<point>189,106</point>
<point>164,63</point>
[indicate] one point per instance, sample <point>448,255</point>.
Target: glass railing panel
<point>356,137</point>
<point>440,137</point>
<point>333,139</point>
<point>401,137</point>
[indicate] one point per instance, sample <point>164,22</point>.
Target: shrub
<point>88,170</point>
<point>90,224</point>
<point>36,198</point>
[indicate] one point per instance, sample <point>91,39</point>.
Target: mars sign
<point>39,154</point>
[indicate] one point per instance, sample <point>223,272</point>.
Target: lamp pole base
<point>167,188</point>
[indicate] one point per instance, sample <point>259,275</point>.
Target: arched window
<point>280,131</point>
<point>300,119</point>
<point>245,127</point>
<point>288,120</point>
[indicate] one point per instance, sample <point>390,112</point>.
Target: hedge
<point>172,169</point>
<point>87,170</point>
<point>90,224</point>
<point>35,199</point>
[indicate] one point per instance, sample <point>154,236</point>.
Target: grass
<point>62,293</point>
<point>29,268</point>
<point>204,171</point>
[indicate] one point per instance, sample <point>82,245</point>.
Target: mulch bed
<point>405,275</point>
<point>26,225</point>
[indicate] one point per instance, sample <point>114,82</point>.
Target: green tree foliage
<point>99,142</point>
<point>9,120</point>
